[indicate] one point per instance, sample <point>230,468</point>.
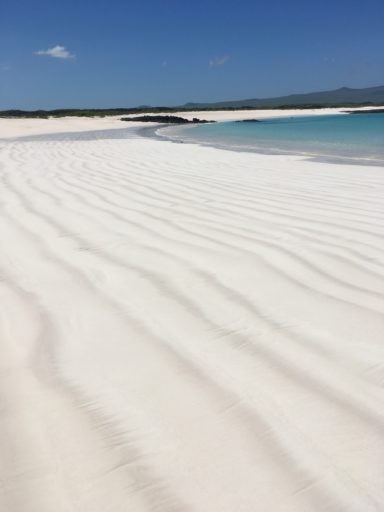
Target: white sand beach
<point>187,329</point>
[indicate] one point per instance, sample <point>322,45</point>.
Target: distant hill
<point>342,96</point>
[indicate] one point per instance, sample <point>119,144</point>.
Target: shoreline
<point>10,128</point>
<point>33,129</point>
<point>153,133</point>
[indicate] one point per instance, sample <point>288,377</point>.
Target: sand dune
<point>188,329</point>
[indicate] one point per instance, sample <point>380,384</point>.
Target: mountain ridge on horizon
<point>369,95</point>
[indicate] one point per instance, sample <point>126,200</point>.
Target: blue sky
<point>98,53</point>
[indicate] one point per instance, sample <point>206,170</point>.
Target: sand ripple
<point>189,329</point>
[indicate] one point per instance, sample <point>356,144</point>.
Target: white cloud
<point>58,52</point>
<point>219,61</point>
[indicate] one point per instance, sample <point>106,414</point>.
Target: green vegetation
<point>75,112</point>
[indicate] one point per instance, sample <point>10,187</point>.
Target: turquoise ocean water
<point>352,137</point>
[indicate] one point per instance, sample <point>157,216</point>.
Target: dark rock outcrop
<point>165,119</point>
<point>248,121</point>
<point>368,111</point>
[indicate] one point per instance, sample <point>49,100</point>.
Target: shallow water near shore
<point>346,137</point>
